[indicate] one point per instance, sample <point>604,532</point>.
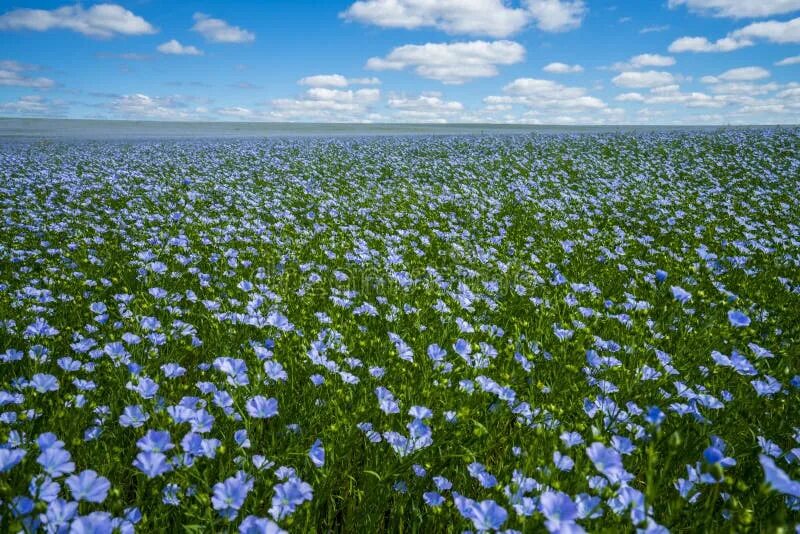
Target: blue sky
<point>520,61</point>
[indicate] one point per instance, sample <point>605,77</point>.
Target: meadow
<point>594,332</point>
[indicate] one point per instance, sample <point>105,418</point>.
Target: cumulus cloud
<point>672,94</point>
<point>652,60</point>
<point>452,63</point>
<point>567,117</point>
<point>100,20</point>
<point>364,81</point>
<point>176,48</point>
<point>324,80</point>
<point>360,96</point>
<point>741,74</point>
<point>150,107</point>
<point>736,91</point>
<point>644,60</point>
<point>10,64</point>
<point>702,44</point>
<point>771,30</point>
<point>739,8</point>
<point>474,17</point>
<point>562,68</point>
<point>325,104</point>
<point>748,89</point>
<point>557,15</point>
<point>643,79</point>
<point>793,60</point>
<point>33,106</point>
<point>219,31</point>
<point>427,107</point>
<point>13,73</point>
<point>629,97</point>
<point>494,18</point>
<point>335,80</point>
<point>547,99</point>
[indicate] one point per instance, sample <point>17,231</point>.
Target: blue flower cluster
<point>560,333</point>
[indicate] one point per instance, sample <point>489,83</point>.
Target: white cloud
<point>494,18</point>
<point>326,104</point>
<point>571,116</point>
<point>361,96</point>
<point>771,30</point>
<point>702,44</point>
<point>793,60</point>
<point>100,20</point>
<point>498,107</point>
<point>651,60</point>
<point>310,108</point>
<point>743,101</point>
<point>324,80</point>
<point>671,94</point>
<point>33,105</point>
<point>176,48</point>
<point>547,89</point>
<point>219,31</point>
<point>452,63</point>
<point>546,95</point>
<point>743,88</point>
<point>792,93</point>
<point>336,80</point>
<point>12,73</point>
<point>142,106</point>
<point>473,17</point>
<point>364,81</point>
<point>741,74</point>
<point>642,79</point>
<point>426,101</point>
<point>629,97</point>
<point>644,60</point>
<point>739,8</point>
<point>562,68</point>
<point>10,64</point>
<point>557,15</point>
<point>782,107</point>
<point>427,107</point>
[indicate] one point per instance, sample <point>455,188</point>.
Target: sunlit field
<point>594,332</point>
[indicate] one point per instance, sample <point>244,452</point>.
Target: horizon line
<point>423,124</point>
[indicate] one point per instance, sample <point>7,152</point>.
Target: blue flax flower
<point>259,525</point>
<point>9,458</point>
<point>317,454</point>
<point>261,407</point>
<point>88,486</point>
<point>738,319</point>
<point>485,515</point>
<point>288,496</point>
<point>229,496</point>
<point>778,479</point>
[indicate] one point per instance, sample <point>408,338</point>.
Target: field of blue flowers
<point>596,332</point>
